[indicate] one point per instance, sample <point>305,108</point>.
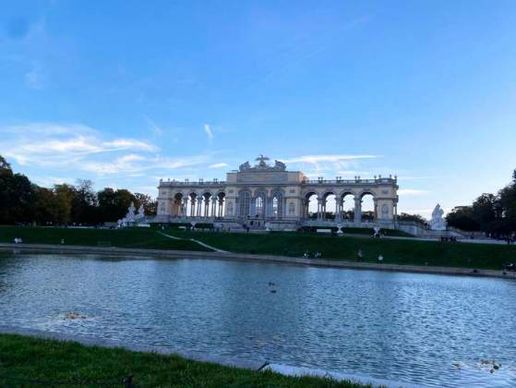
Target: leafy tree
<point>113,204</point>
<point>484,211</point>
<point>149,205</point>
<point>16,196</point>
<point>84,203</point>
<point>64,195</point>
<point>44,206</point>
<point>462,217</point>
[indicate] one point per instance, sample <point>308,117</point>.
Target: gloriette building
<point>271,197</point>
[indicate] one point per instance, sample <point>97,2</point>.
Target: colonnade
<point>340,213</point>
<point>201,206</point>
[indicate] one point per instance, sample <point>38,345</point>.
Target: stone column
<point>319,208</point>
<point>338,208</point>
<point>199,207</point>
<point>358,210</point>
<point>192,207</point>
<point>213,206</point>
<point>221,202</point>
<point>375,213</point>
<point>184,203</point>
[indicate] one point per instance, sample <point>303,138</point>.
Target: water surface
<point>425,329</point>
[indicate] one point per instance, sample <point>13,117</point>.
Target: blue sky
<point>126,92</point>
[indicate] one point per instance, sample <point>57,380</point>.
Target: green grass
<point>27,358</point>
<point>431,253</point>
<point>370,232</point>
<point>125,238</point>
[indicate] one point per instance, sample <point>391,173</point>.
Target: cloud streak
<point>208,131</point>
<point>314,159</point>
<point>76,147</point>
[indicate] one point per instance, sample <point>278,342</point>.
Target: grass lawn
<point>126,238</point>
<point>432,253</point>
<point>27,358</point>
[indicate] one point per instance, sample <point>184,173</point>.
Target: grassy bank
<point>124,238</point>
<point>415,252</point>
<point>26,358</point>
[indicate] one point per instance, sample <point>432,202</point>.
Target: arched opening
<point>329,206</point>
<point>244,204</point>
<point>277,205</point>
<point>368,208</point>
<point>259,205</point>
<point>220,207</point>
<point>205,210</point>
<point>191,205</point>
<point>311,206</point>
<point>177,205</point>
<point>348,207</point>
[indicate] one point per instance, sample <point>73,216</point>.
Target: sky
<point>127,92</point>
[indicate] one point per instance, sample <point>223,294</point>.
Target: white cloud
<point>208,131</point>
<point>314,159</point>
<point>218,165</point>
<point>50,144</point>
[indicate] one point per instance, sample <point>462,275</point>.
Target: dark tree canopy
<point>490,213</point>
<point>24,202</point>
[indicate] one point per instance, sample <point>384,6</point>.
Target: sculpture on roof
<point>263,165</point>
<point>279,165</point>
<point>262,161</point>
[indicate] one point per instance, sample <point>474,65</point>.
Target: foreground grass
<point>415,252</point>
<point>27,358</point>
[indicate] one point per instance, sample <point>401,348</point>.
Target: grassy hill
<point>402,251</point>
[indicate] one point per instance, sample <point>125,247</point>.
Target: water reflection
<point>425,329</point>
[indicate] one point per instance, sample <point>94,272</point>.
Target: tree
<point>113,204</point>
<point>63,195</point>
<point>484,211</point>
<point>150,205</point>
<point>4,166</point>
<point>44,205</point>
<point>16,196</point>
<point>84,203</point>
<point>461,217</point>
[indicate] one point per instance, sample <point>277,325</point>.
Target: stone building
<point>270,196</point>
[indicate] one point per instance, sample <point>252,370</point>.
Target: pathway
<point>195,241</point>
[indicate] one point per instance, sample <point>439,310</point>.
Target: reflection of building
<point>270,195</point>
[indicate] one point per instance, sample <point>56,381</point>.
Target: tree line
<point>23,202</point>
<point>493,214</point>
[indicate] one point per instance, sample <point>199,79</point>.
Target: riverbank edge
<point>246,257</point>
<point>255,366</point>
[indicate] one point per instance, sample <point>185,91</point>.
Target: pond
<point>414,328</point>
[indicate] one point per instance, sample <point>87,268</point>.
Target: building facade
<point>269,196</point>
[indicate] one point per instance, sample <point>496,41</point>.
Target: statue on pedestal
<point>438,222</point>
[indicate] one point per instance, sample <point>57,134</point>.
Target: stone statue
<point>278,165</point>
<point>141,213</point>
<point>261,161</point>
<point>438,222</point>
<point>244,166</point>
<point>131,214</point>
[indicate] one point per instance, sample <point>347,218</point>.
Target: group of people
<point>450,238</point>
<point>315,255</point>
